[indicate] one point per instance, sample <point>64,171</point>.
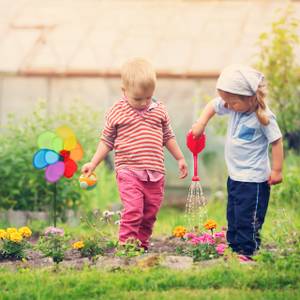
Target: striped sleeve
<point>166,128</point>
<point>109,131</point>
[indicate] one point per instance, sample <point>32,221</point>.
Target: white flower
<point>117,222</point>
<point>105,214</point>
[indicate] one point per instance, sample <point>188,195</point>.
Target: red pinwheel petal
<point>70,168</point>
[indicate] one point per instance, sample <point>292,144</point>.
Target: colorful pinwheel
<point>58,153</point>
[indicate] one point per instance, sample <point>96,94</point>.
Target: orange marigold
<point>179,231</point>
<point>210,224</point>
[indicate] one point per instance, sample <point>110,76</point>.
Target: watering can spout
<point>196,178</point>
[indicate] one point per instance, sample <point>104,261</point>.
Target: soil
<point>73,258</point>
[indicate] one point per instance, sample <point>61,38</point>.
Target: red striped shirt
<point>137,139</point>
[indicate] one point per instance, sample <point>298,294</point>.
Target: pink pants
<point>141,201</point>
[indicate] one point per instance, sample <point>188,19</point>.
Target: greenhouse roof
<point>93,37</point>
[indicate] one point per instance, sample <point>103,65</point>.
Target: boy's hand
<point>275,177</point>
<point>87,169</point>
<point>182,168</point>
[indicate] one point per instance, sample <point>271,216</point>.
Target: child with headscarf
<point>252,127</point>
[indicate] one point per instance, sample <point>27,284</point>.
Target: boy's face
<point>138,98</point>
<point>235,103</point>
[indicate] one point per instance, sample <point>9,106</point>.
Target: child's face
<point>235,103</point>
<point>137,97</point>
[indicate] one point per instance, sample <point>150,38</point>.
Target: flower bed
<point>56,246</point>
<point>201,245</point>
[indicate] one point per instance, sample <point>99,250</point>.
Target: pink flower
<point>190,235</point>
<point>54,230</point>
<point>194,241</point>
<point>206,239</point>
<point>220,234</point>
<point>202,239</point>
<point>221,248</point>
<point>220,237</point>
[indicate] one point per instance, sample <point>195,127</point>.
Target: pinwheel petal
<point>39,161</point>
<point>51,157</point>
<point>77,153</point>
<point>65,132</point>
<point>57,144</point>
<point>70,168</point>
<point>55,172</point>
<point>44,140</point>
<point>70,143</point>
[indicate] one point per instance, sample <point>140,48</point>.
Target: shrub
<point>91,246</point>
<point>277,60</point>
<point>53,244</point>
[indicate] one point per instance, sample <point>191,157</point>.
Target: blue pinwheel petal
<point>39,161</point>
<point>51,157</point>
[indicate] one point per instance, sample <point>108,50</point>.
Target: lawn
<point>272,277</point>
<point>225,281</point>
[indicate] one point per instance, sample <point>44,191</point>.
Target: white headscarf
<point>239,80</point>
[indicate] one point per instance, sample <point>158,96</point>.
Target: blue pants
<point>246,209</point>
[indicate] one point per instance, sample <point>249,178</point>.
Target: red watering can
<point>196,145</point>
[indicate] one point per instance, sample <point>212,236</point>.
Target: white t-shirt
<point>247,142</point>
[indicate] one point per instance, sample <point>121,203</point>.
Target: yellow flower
<point>15,237</point>
<point>179,231</point>
<point>3,234</point>
<point>11,230</point>
<point>25,232</point>
<point>210,224</point>
<point>78,245</point>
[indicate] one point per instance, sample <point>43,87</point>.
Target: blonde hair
<point>138,72</point>
<point>261,106</point>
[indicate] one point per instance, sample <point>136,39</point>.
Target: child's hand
<point>182,168</point>
<point>87,169</point>
<point>275,177</point>
<point>197,129</point>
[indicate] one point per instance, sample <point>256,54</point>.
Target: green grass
<point>224,281</point>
